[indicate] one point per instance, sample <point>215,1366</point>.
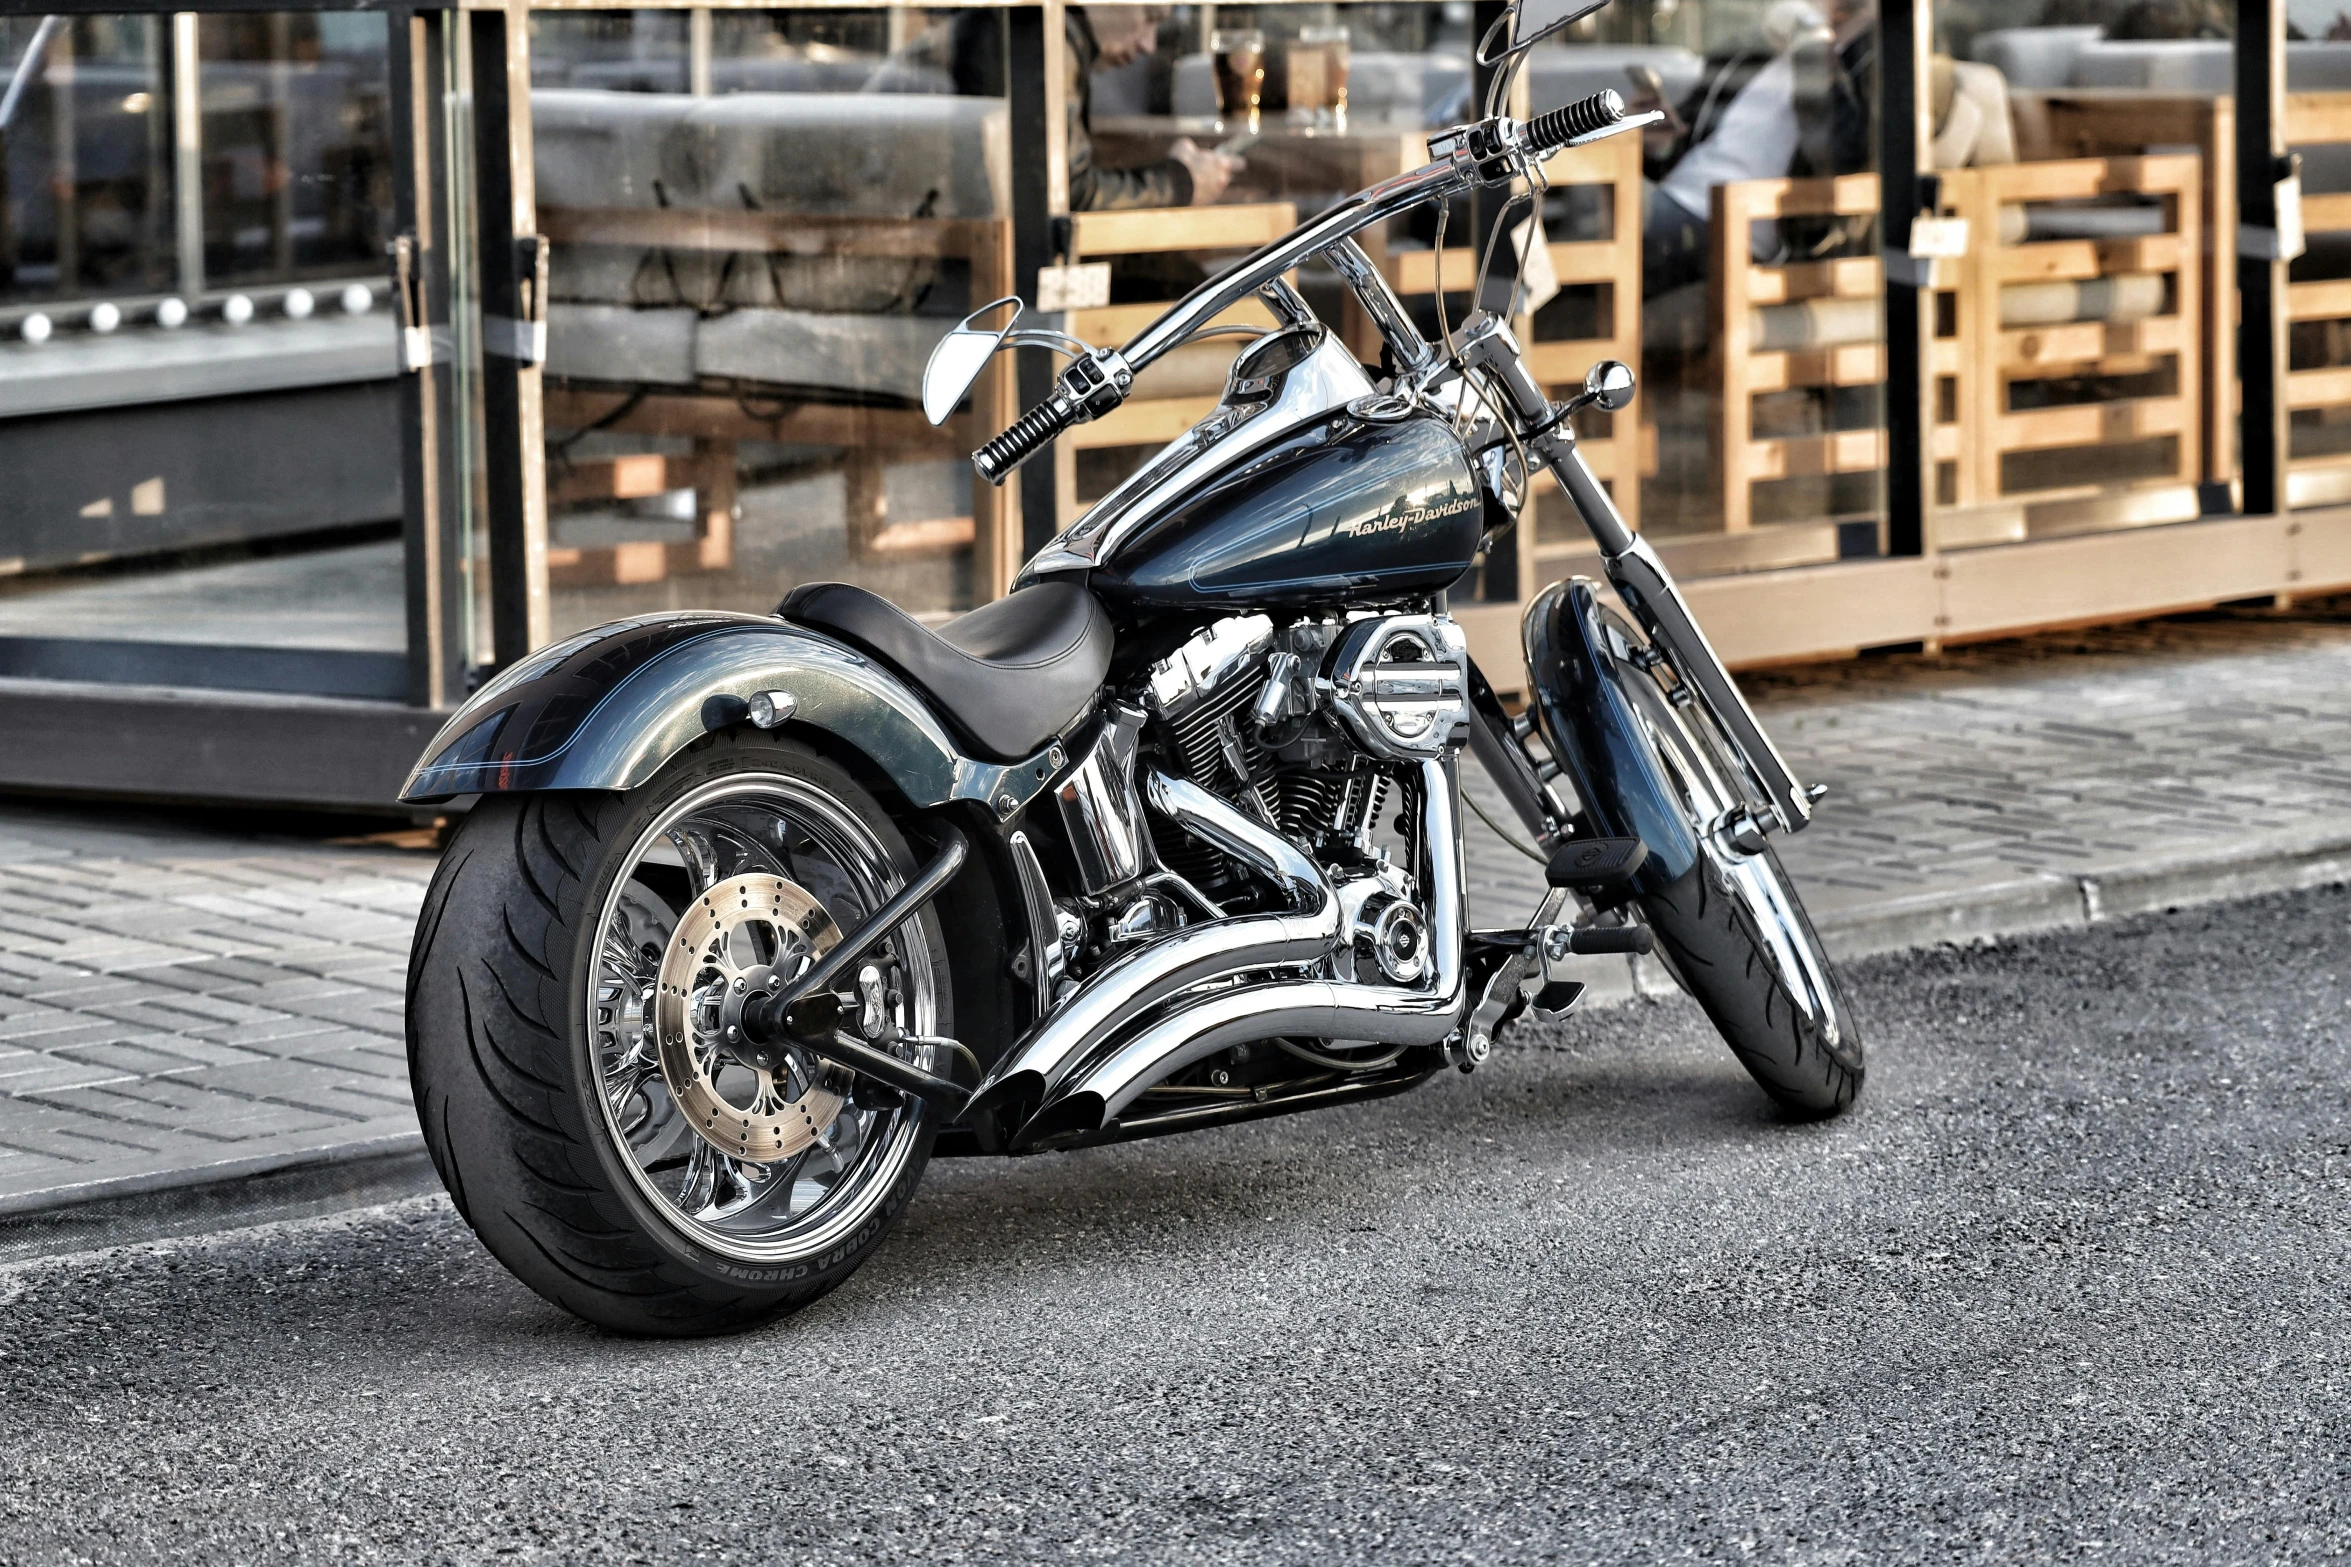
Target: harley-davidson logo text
<point>1400,517</point>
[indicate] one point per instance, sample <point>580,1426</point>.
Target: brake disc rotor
<point>733,936</point>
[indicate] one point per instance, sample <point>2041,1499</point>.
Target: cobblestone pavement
<point>181,999</point>
<point>176,1000</point>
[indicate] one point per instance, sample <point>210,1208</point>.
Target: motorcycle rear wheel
<point>570,964</point>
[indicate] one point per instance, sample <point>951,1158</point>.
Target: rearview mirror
<point>1525,23</point>
<point>1609,384</point>
<point>960,357</point>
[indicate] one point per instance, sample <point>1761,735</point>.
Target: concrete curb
<point>297,1182</point>
<point>2272,862</point>
<point>2028,905</point>
<point>230,1194</point>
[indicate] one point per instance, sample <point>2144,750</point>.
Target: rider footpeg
<point>1595,864</point>
<point>1599,940</point>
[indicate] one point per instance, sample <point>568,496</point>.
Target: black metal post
<point>1032,100</point>
<point>1486,212</point>
<point>505,520</point>
<point>1904,29</point>
<point>420,279</point>
<point>2264,436</point>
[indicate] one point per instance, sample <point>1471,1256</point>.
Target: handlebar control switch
<point>1097,383</point>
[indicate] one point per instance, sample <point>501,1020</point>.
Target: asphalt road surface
<point>2073,1284</point>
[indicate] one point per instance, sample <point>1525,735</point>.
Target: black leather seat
<point>1010,675</point>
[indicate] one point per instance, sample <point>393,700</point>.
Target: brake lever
<point>1631,122</point>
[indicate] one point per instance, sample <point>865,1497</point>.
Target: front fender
<point>607,708</point>
<point>1576,674</point>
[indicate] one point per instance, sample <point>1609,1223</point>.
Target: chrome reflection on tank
<point>1401,684</point>
<point>1099,808</point>
<point>1325,381</point>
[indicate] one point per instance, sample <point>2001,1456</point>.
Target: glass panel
<point>2318,302</point>
<point>1343,95</point>
<point>1750,215</point>
<point>2090,323</point>
<point>297,170</point>
<point>197,383</point>
<point>746,284</point>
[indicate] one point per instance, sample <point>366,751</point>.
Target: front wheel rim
<point>790,1201</point>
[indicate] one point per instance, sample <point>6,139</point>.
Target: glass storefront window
<point>2088,150</point>
<point>755,249</point>
<point>296,150</point>
<point>85,157</point>
<point>198,394</point>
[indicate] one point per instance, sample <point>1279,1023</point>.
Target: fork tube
<point>1558,449</point>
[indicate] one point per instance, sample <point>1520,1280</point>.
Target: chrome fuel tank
<point>1342,510</point>
<point>1302,487</point>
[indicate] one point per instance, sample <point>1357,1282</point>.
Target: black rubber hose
<point>1549,132</point>
<point>1027,436</point>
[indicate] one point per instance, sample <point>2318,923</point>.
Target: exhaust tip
<point>1077,1116</point>
<point>1010,1100</point>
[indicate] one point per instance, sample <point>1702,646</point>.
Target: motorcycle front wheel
<point>569,999</point>
<point>1733,930</point>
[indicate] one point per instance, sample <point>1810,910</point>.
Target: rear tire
<point>535,1095</point>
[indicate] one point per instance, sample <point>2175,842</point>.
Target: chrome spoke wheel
<point>752,876</point>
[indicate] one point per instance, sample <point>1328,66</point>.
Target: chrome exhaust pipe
<point>1147,976</point>
<point>1096,1095</point>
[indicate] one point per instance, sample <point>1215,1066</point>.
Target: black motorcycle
<point>755,914</point>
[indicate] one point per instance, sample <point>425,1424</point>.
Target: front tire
<point>1737,938</point>
<point>567,970</point>
<point>1732,928</point>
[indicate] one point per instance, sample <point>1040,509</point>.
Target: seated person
<point>1102,38</point>
<point>1804,109</point>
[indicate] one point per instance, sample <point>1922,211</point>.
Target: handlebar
<point>996,460</point>
<point>1491,152</point>
<point>1547,133</point>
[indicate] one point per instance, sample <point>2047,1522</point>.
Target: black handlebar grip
<point>1552,131</point>
<point>996,460</point>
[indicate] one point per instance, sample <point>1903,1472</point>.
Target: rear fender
<point>608,708</point>
<point>1577,664</point>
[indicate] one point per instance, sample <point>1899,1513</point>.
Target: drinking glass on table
<point>1239,57</point>
<point>1326,51</point>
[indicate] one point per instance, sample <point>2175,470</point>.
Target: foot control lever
<point>1595,864</point>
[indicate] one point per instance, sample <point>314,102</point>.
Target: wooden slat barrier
<point>2323,307</point>
<point>1740,287</point>
<point>2064,125</point>
<point>1169,398</point>
<point>869,438</point>
<point>1998,359</point>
